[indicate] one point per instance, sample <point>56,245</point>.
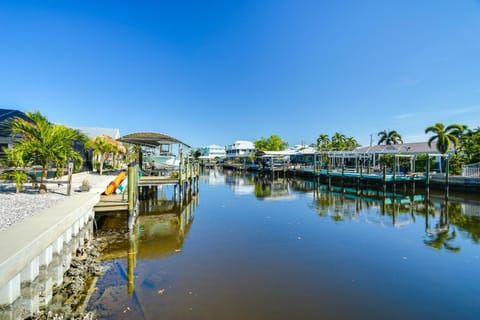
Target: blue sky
<point>212,72</point>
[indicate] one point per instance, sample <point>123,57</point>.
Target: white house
<point>212,151</point>
<point>240,149</point>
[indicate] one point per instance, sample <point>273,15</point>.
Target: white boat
<point>162,162</point>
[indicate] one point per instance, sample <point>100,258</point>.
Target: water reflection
<point>342,252</point>
<point>161,229</point>
<point>443,218</point>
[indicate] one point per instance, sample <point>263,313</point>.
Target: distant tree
<point>351,143</point>
<point>42,142</point>
<point>338,141</point>
<point>471,146</point>
<point>196,153</point>
<point>444,136</point>
<point>273,143</point>
<point>102,148</point>
<point>323,142</point>
<point>390,137</point>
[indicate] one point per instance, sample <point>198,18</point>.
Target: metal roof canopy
<point>151,139</point>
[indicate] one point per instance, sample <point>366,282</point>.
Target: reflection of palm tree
<point>390,137</point>
<point>441,240</point>
<point>441,235</point>
<point>445,137</point>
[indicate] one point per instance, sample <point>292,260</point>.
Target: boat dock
<point>182,173</point>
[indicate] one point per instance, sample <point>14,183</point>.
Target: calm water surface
<point>251,248</point>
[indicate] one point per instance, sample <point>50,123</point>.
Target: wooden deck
<point>156,180</point>
<point>111,203</point>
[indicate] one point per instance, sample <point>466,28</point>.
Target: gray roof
<point>151,139</point>
<point>5,116</point>
<point>414,147</point>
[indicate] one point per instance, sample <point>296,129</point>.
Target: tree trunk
<point>43,186</point>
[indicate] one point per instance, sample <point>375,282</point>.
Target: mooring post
<point>427,169</point>
<point>70,172</point>
<point>384,179</point>
<point>130,189</point>
<point>447,173</point>
<point>394,169</point>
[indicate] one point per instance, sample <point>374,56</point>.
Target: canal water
<point>250,247</point>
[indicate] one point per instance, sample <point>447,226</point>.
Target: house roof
<point>414,147</point>
<point>151,139</point>
<point>5,116</point>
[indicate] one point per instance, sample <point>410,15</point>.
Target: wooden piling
<point>70,172</point>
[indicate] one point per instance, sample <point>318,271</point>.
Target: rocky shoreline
<point>69,300</point>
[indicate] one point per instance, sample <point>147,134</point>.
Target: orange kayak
<point>113,185</point>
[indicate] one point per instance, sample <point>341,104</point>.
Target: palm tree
<point>390,137</point>
<point>338,141</point>
<point>43,142</point>
<point>103,148</point>
<point>351,143</point>
<point>323,142</point>
<point>445,137</point>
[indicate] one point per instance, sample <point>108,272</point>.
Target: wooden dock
<point>148,181</point>
<point>111,203</point>
<point>186,179</point>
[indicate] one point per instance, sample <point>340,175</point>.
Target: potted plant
<point>85,186</point>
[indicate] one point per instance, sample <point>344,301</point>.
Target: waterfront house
<point>212,152</point>
<point>240,149</point>
<point>6,138</point>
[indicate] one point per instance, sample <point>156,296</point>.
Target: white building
<point>211,152</point>
<point>240,149</point>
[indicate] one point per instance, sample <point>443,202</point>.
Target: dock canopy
<point>151,139</point>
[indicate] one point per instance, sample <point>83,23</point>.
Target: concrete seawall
<point>35,253</point>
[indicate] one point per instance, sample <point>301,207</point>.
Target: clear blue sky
<point>218,71</point>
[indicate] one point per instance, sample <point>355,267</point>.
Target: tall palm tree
<point>390,137</point>
<point>445,136</point>
<point>338,141</point>
<point>351,143</point>
<point>44,142</point>
<point>323,142</point>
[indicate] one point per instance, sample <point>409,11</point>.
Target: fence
<point>471,170</point>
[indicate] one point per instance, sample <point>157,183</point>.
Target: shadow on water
<point>160,231</point>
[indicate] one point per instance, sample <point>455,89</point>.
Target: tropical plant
<point>102,148</point>
<point>16,163</point>
<point>273,143</point>
<point>470,145</point>
<point>444,136</point>
<point>323,142</point>
<point>338,141</point>
<point>389,137</point>
<point>351,143</point>
<point>43,143</point>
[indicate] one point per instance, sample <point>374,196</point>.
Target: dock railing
<point>471,170</point>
